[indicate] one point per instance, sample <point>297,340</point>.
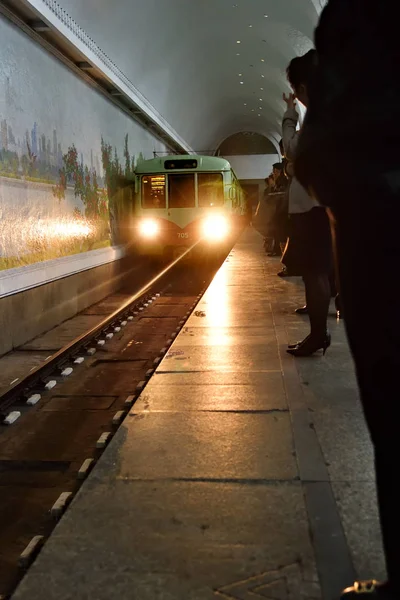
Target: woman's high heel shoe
<point>310,346</point>
<point>291,346</point>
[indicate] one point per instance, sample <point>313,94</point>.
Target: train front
<point>183,209</point>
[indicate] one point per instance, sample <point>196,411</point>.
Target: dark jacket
<point>354,95</point>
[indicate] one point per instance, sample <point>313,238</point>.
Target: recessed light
<point>262,60</point>
<point>238,54</point>
<point>238,42</point>
<point>262,89</point>
<point>263,76</point>
<point>259,115</point>
<point>242,82</point>
<point>245,104</point>
<point>252,110</point>
<point>260,108</point>
<point>240,74</point>
<point>266,16</point>
<point>261,100</point>
<point>250,25</point>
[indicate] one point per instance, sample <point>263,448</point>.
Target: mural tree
<point>119,183</point>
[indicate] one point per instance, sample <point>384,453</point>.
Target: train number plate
<point>183,236</point>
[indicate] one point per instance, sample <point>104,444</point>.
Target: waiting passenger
<point>309,249</point>
<point>354,102</point>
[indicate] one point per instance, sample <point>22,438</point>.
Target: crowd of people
<point>350,87</point>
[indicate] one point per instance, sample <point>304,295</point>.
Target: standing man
<point>353,118</point>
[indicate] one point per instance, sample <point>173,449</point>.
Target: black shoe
<point>373,590</point>
<point>283,273</point>
<point>310,346</point>
<point>302,311</point>
<point>291,346</point>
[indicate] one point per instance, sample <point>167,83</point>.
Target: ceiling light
<point>238,42</point>
<point>263,76</point>
<point>245,104</point>
<point>250,25</point>
<point>238,54</point>
<point>260,107</point>
<point>252,110</point>
<point>262,60</point>
<point>261,100</point>
<point>242,82</point>
<point>262,89</point>
<point>266,16</point>
<point>240,74</point>
<point>259,115</point>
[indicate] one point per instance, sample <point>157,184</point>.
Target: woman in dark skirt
<point>309,249</point>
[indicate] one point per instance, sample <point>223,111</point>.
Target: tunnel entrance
<point>251,156</point>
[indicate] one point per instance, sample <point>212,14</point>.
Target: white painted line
<point>67,372</point>
<point>61,504</point>
<point>28,554</point>
<point>129,401</point>
<point>85,468</point>
<point>117,329</point>
<point>103,440</point>
<point>12,417</point>
<point>91,351</point>
<point>50,384</point>
<point>34,399</point>
<point>79,360</point>
<point>117,418</point>
<point>15,380</point>
<point>109,336</point>
<point>101,342</point>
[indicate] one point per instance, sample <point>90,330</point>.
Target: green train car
<point>183,202</point>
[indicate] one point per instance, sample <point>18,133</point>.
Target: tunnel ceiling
<point>211,68</point>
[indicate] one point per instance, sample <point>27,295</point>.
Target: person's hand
<point>290,100</point>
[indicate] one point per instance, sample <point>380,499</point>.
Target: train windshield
<point>210,189</point>
<point>153,191</point>
<point>181,191</point>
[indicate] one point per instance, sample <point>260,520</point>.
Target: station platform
<point>240,472</point>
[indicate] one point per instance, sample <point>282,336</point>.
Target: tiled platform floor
<point>240,472</point>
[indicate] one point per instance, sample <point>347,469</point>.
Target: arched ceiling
<point>211,68</point>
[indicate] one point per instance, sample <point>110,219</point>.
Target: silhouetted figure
<point>353,119</point>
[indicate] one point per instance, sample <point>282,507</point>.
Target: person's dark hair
<point>278,166</point>
<point>301,69</point>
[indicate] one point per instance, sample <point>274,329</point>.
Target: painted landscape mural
<point>63,151</point>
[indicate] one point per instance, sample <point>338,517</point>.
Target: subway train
<point>186,203</point>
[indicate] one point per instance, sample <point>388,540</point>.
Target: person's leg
<point>366,277</point>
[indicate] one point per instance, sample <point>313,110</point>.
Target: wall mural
<point>63,149</point>
<point>78,202</point>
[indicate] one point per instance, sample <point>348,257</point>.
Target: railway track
<point>68,408</point>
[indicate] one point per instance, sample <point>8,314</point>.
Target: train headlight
<point>149,228</point>
<point>215,228</point>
